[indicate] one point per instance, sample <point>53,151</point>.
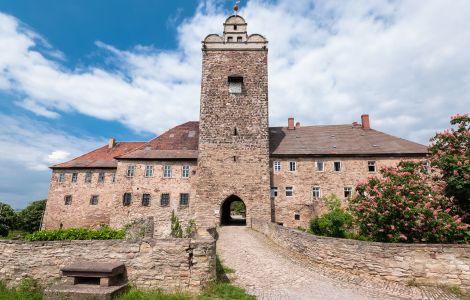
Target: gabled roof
<point>180,142</point>
<point>102,157</point>
<point>334,140</point>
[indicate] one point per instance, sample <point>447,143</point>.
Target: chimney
<point>111,143</point>
<point>365,121</point>
<point>297,125</point>
<point>290,123</point>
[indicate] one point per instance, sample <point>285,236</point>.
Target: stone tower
<point>233,162</point>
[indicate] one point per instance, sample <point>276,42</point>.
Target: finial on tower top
<point>235,7</point>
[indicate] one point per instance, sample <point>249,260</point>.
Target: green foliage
<point>225,291</point>
<point>190,229</point>
<point>7,219</point>
<point>177,228</point>
<point>29,219</point>
<point>155,294</point>
<point>237,207</point>
<point>28,289</point>
<point>406,204</point>
<point>450,154</point>
<point>221,269</point>
<point>104,233</point>
<point>335,223</point>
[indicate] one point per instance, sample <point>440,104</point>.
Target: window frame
<point>149,171</point>
<point>372,163</point>
<point>348,189</point>
<point>277,166</point>
<point>127,199</point>
<point>292,163</point>
<point>146,202</point>
<point>92,198</point>
<point>88,177</point>
<point>322,166</point>
<point>68,200</point>
<point>101,177</point>
<point>291,189</point>
<point>167,203</point>
<point>186,200</point>
<point>113,180</point>
<point>274,191</point>
<point>340,166</point>
<point>316,190</point>
<point>74,178</point>
<point>167,171</point>
<point>296,216</point>
<point>130,172</point>
<point>61,178</point>
<point>185,170</point>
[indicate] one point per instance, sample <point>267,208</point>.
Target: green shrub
<point>7,219</point>
<point>336,223</point>
<point>29,219</point>
<point>177,228</point>
<point>27,289</point>
<point>104,233</point>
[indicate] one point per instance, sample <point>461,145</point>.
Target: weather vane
<point>235,7</point>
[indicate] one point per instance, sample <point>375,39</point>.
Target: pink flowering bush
<point>450,153</point>
<point>406,205</point>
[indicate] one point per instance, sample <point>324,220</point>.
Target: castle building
<point>198,169</point>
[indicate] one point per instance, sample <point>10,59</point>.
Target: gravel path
<point>270,272</point>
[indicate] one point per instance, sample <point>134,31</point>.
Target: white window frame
<point>316,192</point>
<point>291,189</point>
<point>149,171</point>
<point>340,166</point>
<point>101,177</point>
<point>322,166</point>
<point>167,171</point>
<point>185,171</point>
<point>349,189</point>
<point>130,171</point>
<point>88,177</point>
<point>292,163</point>
<point>371,163</point>
<point>274,192</point>
<point>277,166</point>
<point>74,178</point>
<point>61,178</point>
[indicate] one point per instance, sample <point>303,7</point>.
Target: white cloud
<point>32,106</point>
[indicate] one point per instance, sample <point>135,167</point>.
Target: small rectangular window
<point>130,171</point>
<point>185,171</point>
<point>61,177</point>
<point>371,166</point>
<point>145,199</point>
<point>74,177</point>
<point>230,39</point>
<point>114,177</point>
<point>289,191</point>
<point>316,192</point>
<point>297,217</point>
<point>165,199</point>
<point>292,166</point>
<point>239,39</point>
<point>337,166</point>
<point>274,192</point>
<point>184,199</point>
<point>101,177</point>
<point>167,171</point>
<point>319,166</point>
<point>277,166</point>
<point>126,199</point>
<point>148,171</point>
<point>88,177</point>
<point>235,84</point>
<point>347,192</point>
<point>94,200</point>
<point>68,200</point>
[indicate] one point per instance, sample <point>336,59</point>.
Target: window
<point>292,166</point>
<point>297,216</point>
<point>273,191</point>
<point>277,166</point>
<point>126,199</point>
<point>68,200</point>
<point>316,192</point>
<point>347,192</point>
<point>61,178</point>
<point>337,166</point>
<point>319,166</point>
<point>230,39</point>
<point>235,27</point>
<point>165,199</point>
<point>94,200</point>
<point>148,171</point>
<point>239,39</point>
<point>235,132</point>
<point>88,177</point>
<point>74,177</point>
<point>130,171</point>
<point>235,84</point>
<point>289,191</point>
<point>184,199</point>
<point>167,171</point>
<point>371,166</point>
<point>185,172</point>
<point>101,177</point>
<point>114,177</point>
<point>145,199</point>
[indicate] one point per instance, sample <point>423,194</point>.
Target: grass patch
<point>136,294</point>
<point>221,269</point>
<point>14,235</point>
<point>28,289</point>
<point>224,291</point>
<point>458,292</point>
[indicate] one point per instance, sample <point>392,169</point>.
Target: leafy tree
<point>7,219</point>
<point>335,223</point>
<point>450,153</point>
<point>238,207</point>
<point>30,217</point>
<point>405,204</point>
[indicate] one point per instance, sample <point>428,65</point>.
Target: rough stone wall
<point>421,263</point>
<point>80,213</point>
<point>306,177</point>
<point>169,264</point>
<point>229,163</point>
<point>155,186</point>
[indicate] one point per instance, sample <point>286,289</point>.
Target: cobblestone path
<point>270,272</point>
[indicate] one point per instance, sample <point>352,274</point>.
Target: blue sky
<point>74,73</point>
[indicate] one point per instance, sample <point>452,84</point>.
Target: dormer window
<point>235,84</point>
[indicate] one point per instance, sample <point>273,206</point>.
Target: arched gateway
<point>233,211</point>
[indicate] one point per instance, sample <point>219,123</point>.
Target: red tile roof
<point>181,142</point>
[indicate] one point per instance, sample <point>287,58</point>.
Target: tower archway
<point>233,211</point>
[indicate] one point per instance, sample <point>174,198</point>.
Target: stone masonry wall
<point>306,177</point>
<point>169,264</point>
<point>423,263</point>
